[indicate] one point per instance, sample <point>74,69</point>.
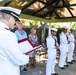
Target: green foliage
<point>55,25</point>
<point>73,25</point>
<point>34,23</point>
<point>31,23</point>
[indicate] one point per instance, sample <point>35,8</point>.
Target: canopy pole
<point>49,31</point>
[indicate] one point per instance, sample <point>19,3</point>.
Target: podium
<point>27,47</point>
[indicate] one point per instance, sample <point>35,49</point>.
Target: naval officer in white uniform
<point>52,45</point>
<point>63,48</point>
<point>71,46</point>
<point>10,55</point>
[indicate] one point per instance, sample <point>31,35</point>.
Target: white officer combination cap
<point>65,27</point>
<point>12,11</point>
<point>54,29</point>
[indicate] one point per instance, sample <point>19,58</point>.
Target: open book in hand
<point>27,47</point>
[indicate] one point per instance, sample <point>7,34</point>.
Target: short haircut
<point>33,29</point>
<point>4,15</point>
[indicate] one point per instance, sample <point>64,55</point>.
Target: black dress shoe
<point>24,69</point>
<point>55,74</point>
<point>70,62</point>
<point>66,65</point>
<point>73,61</point>
<point>62,68</point>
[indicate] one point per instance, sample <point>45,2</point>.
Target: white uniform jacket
<point>51,42</point>
<point>63,39</point>
<point>10,55</point>
<point>71,38</point>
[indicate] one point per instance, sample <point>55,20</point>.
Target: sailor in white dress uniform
<point>63,48</point>
<point>51,42</point>
<point>10,55</point>
<point>71,46</point>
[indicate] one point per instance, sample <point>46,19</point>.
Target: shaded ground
<point>41,67</point>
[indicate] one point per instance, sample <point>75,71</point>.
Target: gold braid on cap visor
<point>15,16</point>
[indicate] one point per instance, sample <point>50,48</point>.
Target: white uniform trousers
<point>51,62</point>
<point>63,53</point>
<point>70,52</point>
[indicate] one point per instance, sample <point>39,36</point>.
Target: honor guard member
<point>63,48</point>
<point>51,42</point>
<point>10,55</point>
<point>71,47</point>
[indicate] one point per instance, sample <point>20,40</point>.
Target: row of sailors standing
<point>67,44</point>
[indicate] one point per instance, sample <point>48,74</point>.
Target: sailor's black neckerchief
<point>54,40</point>
<point>67,39</point>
